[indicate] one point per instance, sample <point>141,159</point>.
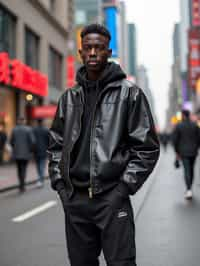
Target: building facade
<point>142,80</point>
<point>123,37</point>
<point>132,50</point>
<point>34,35</point>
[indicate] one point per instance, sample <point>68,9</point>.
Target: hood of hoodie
<point>111,73</point>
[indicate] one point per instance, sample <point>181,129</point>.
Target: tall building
<point>184,27</point>
<point>33,48</point>
<point>142,80</point>
<point>123,37</point>
<point>176,70</point>
<point>87,11</point>
<point>132,50</point>
<point>176,94</point>
<point>176,41</point>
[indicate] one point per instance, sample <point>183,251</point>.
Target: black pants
<point>188,163</point>
<point>21,172</point>
<point>99,224</point>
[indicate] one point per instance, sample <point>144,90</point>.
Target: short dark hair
<point>186,113</point>
<point>95,28</point>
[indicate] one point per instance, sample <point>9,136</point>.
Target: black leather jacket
<point>123,146</point>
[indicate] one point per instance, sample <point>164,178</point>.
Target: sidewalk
<point>167,227</point>
<point>8,176</point>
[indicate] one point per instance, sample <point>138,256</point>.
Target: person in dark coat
<point>3,139</point>
<point>22,141</point>
<point>164,139</point>
<point>40,150</point>
<point>186,141</point>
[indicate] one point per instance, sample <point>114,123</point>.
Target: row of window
<point>32,46</point>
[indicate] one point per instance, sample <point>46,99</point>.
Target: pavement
<point>167,226</point>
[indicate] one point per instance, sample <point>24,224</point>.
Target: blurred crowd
<point>24,144</point>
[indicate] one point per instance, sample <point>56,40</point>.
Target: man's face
<point>95,52</point>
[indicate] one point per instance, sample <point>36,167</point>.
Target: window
<point>31,49</point>
<point>7,33</point>
<point>55,69</point>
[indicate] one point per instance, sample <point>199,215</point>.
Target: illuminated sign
<point>78,43</point>
<point>195,12</point>
<point>21,76</point>
<point>70,63</point>
<point>4,68</point>
<point>45,111</point>
<point>193,57</point>
<point>111,24</point>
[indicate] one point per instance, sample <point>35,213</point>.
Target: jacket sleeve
<point>54,150</point>
<point>142,142</point>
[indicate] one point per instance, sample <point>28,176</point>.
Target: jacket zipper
<point>90,189</point>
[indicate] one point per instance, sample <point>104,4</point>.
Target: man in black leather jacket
<point>102,148</point>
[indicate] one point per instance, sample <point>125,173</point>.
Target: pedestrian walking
<point>40,150</point>
<point>3,139</point>
<point>164,139</point>
<point>186,141</point>
<point>102,148</point>
<point>22,141</point>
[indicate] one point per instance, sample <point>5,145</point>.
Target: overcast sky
<point>155,23</point>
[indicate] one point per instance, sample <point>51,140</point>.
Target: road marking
<point>34,211</point>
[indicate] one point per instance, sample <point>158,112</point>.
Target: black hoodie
<point>80,155</point>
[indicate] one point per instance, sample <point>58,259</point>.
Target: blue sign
<point>111,24</point>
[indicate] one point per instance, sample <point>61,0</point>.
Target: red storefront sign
<point>21,76</point>
<point>193,57</point>
<point>70,62</point>
<point>195,13</point>
<point>4,68</point>
<point>2,114</point>
<point>45,111</point>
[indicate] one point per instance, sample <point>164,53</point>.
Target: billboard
<point>193,57</point>
<point>16,74</point>
<point>195,10</point>
<point>78,42</point>
<point>70,71</point>
<point>110,14</point>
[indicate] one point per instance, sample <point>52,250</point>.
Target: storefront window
<point>7,33</point>
<point>31,49</point>
<point>55,69</point>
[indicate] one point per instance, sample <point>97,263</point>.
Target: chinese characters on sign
<point>195,13</point>
<point>21,76</point>
<point>194,57</point>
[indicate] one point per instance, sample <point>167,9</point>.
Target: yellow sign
<point>78,42</point>
<point>198,86</point>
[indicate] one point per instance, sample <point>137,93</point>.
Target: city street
<point>167,226</point>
